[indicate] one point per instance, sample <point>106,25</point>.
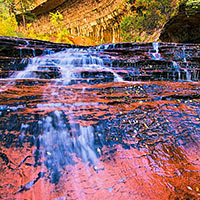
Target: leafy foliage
<point>57,26</point>
<point>146,16</point>
<point>8,23</point>
<point>56,31</point>
<point>192,7</point>
<point>56,19</point>
<point>21,7</point>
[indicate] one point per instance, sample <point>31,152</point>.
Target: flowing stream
<point>117,121</point>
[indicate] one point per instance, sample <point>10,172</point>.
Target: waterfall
<point>61,140</point>
<point>68,66</point>
<point>114,121</point>
<point>186,70</point>
<point>156,55</point>
<point>184,54</point>
<point>176,68</point>
<point>62,136</point>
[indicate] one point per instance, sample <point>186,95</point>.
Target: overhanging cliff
<point>97,19</point>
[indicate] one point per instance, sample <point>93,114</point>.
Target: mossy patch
<point>192,7</point>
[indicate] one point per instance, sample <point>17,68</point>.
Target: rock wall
<point>97,19</point>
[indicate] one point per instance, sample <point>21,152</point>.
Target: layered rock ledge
<point>132,61</point>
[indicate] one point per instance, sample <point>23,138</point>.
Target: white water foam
<point>156,55</point>
<point>66,62</point>
<point>186,70</point>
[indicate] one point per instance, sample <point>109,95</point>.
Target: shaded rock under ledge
<point>184,27</point>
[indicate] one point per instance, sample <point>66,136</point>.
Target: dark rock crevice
<point>184,27</point>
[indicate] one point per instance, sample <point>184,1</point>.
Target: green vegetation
<point>9,9</point>
<point>9,26</point>
<point>57,27</point>
<point>56,31</point>
<point>21,7</point>
<point>143,21</point>
<point>192,7</point>
<point>8,23</point>
<point>145,17</point>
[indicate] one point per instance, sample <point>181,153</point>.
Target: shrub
<point>55,32</point>
<point>57,27</point>
<point>8,25</point>
<point>192,7</point>
<point>146,16</point>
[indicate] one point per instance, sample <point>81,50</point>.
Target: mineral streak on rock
<point>99,20</point>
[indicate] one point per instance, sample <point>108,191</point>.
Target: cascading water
<point>61,139</point>
<point>67,65</point>
<point>156,54</point>
<point>186,69</point>
<point>117,121</point>
<point>62,136</point>
<point>176,68</point>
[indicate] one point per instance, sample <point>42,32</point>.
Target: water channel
<point>115,121</point>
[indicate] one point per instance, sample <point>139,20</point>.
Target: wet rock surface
<point>113,121</point>
<point>15,52</point>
